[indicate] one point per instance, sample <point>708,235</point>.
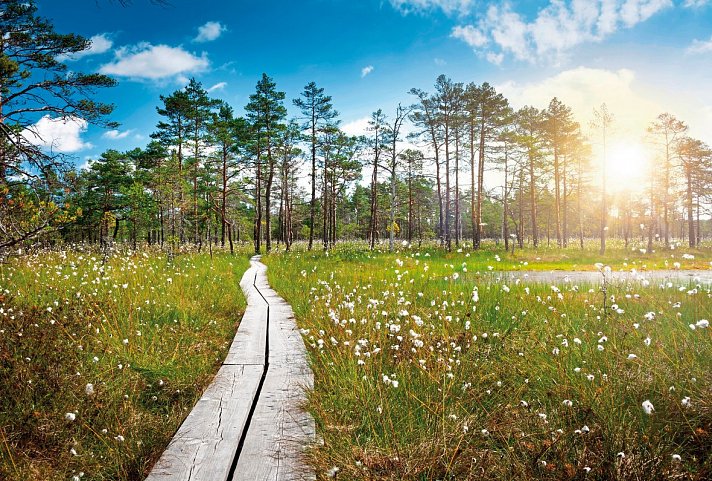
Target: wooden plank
<point>279,430</point>
<point>206,442</point>
<point>248,346</point>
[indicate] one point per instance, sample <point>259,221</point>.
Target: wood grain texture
<point>278,429</point>
<point>205,444</point>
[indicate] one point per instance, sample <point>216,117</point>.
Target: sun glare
<point>627,166</point>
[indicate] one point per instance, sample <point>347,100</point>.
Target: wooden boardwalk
<point>248,425</point>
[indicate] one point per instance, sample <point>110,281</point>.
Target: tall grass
<point>492,255</point>
<point>423,372</point>
<point>101,361</point>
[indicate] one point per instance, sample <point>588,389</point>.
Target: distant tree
<point>448,98</point>
<point>696,162</point>
<point>602,121</point>
<point>375,125</point>
<point>425,117</point>
<point>266,112</point>
<point>392,138</point>
<point>105,184</point>
<point>529,133</point>
<point>414,164</point>
<point>492,113</point>
<point>199,111</point>
<point>228,134</point>
<point>560,128</point>
<point>318,113</point>
<point>172,133</point>
<point>667,132</point>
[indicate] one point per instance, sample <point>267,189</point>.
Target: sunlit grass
<point>100,362</point>
<point>492,256</point>
<point>423,373</point>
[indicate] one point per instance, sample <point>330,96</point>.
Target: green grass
<point>480,385</point>
<point>147,335</point>
<point>491,255</point>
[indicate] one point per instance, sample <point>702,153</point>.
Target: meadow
<point>102,357</point>
<point>427,370</point>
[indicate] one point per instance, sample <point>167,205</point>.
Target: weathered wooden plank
<point>279,430</point>
<point>248,346</point>
<point>206,442</point>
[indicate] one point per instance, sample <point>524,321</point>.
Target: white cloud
<point>700,46</point>
<point>366,70</point>
<point>556,28</point>
<point>99,44</point>
<point>448,6</point>
<point>209,32</point>
<point>584,89</point>
<point>470,35</point>
<point>217,86</point>
<point>695,3</point>
<point>154,62</point>
<point>356,127</point>
<point>58,135</point>
<point>116,135</point>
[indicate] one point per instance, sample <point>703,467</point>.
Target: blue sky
<point>642,57</point>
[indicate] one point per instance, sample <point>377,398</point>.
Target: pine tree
<point>318,113</point>
<point>265,112</point>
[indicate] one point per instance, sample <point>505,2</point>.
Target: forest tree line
<point>459,164</point>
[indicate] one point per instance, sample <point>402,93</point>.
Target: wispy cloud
<point>695,3</point>
<point>700,46</point>
<point>154,62</point>
<point>209,32</point>
<point>366,70</point>
<point>561,25</point>
<point>116,134</point>
<point>99,44</point>
<point>217,86</point>
<point>420,6</point>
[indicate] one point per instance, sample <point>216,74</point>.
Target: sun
<point>627,166</point>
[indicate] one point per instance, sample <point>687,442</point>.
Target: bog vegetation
<point>101,359</point>
<point>424,370</point>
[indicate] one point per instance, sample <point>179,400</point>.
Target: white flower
<point>70,417</point>
<point>332,472</point>
<point>686,402</point>
<point>648,407</point>
<point>119,438</point>
<point>567,403</point>
<point>89,389</point>
<point>632,356</point>
<point>621,455</point>
<point>702,324</point>
<point>676,458</point>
